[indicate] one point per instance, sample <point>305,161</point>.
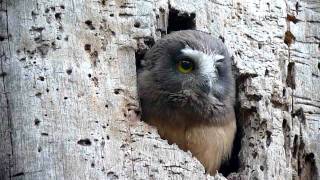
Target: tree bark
<point>68,98</point>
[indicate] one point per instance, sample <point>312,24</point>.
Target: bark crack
<point>3,58</point>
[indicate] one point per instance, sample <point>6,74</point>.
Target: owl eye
<point>185,66</point>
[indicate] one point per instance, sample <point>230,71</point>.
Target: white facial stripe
<point>217,57</point>
<point>195,54</point>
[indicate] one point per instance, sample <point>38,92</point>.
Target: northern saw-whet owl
<point>187,92</point>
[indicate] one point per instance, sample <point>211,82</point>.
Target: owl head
<point>186,75</point>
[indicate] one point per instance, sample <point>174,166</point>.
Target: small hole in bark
<point>89,75</point>
<point>62,6</point>
<point>39,149</point>
<point>89,24</point>
<point>118,91</point>
<point>260,45</point>
<point>104,127</point>
<point>84,142</point>
<point>108,137</point>
<point>2,38</point>
<point>38,39</point>
<point>92,164</point>
<point>69,71</point>
<point>52,8</point>
<point>41,78</point>
<point>291,75</point>
<point>319,63</point>
<point>284,92</point>
<point>87,47</point>
<point>38,94</point>
<point>180,20</point>
<point>222,38</point>
<point>36,122</point>
<point>47,10</point>
<point>254,155</point>
<point>269,138</point>
<point>58,16</point>
<point>112,15</point>
<point>137,24</point>
<point>262,168</point>
<point>44,134</point>
<point>65,98</point>
<point>103,2</point>
<point>266,73</point>
<point>47,90</point>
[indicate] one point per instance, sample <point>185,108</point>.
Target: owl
<point>186,91</point>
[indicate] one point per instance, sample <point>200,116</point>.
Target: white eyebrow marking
<point>206,62</point>
<point>218,57</point>
<point>195,54</point>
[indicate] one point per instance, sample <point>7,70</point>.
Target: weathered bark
<point>68,100</point>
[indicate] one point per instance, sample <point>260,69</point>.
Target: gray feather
<point>171,95</point>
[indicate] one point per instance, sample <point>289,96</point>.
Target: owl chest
<point>209,144</point>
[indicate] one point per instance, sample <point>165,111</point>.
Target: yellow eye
<point>185,66</point>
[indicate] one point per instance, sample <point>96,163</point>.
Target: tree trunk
<point>68,98</point>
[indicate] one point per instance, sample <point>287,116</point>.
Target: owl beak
<point>206,86</point>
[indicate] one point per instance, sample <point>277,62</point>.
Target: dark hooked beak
<point>205,85</point>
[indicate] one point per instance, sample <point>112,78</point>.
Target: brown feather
<point>211,144</point>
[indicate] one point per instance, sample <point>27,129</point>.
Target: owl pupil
<point>186,64</point>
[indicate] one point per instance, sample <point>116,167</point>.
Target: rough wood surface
<point>68,103</point>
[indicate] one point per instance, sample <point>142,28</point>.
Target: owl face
<point>188,72</point>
